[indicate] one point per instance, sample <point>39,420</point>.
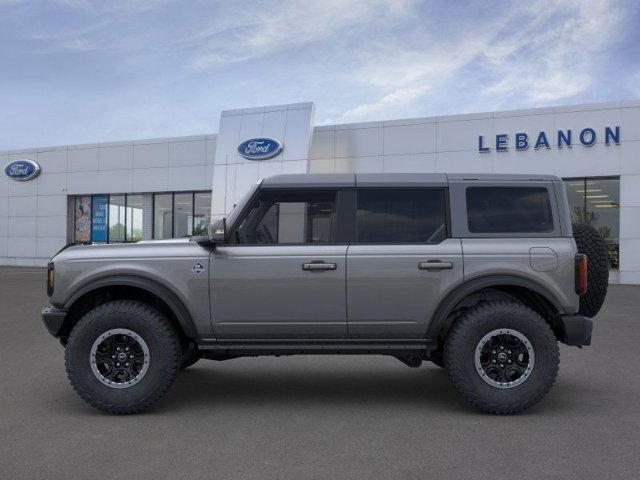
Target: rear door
<point>401,263</point>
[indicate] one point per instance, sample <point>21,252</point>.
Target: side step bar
<point>319,347</point>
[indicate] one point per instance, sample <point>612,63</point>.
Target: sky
<point>80,71</point>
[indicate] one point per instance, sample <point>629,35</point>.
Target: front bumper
<point>576,330</point>
<point>53,319</point>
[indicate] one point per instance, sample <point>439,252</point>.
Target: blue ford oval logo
<point>260,148</point>
<point>22,170</point>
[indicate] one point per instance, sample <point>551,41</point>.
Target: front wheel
<point>122,356</point>
<point>502,357</point>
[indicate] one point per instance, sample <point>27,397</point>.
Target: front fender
<point>174,303</point>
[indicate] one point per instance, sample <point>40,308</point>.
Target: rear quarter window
<point>509,210</point>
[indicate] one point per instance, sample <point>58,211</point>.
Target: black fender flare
<point>446,306</point>
<point>165,294</point>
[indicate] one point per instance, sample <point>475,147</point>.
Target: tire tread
<point>458,377</point>
<point>164,330</point>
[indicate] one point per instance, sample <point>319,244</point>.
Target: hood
<point>145,248</point>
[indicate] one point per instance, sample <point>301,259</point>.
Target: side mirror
<point>218,230</point>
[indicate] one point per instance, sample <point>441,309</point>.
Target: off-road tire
<point>437,358</point>
<point>164,352</point>
<point>464,337</point>
<point>590,242</point>
<point>190,356</point>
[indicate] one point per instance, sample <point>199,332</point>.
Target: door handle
<point>319,266</point>
<point>435,265</point>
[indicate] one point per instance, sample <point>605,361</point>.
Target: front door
<point>281,275</point>
<point>401,262</point>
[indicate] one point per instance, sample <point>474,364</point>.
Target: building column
<point>147,216</point>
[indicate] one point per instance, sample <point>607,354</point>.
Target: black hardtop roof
<point>344,180</point>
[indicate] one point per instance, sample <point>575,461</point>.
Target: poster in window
<point>82,221</point>
<point>99,209</point>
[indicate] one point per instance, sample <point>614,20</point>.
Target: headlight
<point>50,278</point>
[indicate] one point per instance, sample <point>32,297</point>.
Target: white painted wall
<point>33,215</point>
<point>449,144</point>
<point>233,175</point>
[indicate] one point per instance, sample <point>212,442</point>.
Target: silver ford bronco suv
<point>480,274</point>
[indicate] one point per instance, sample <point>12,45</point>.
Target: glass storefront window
<point>99,216</point>
<point>182,214</point>
<point>162,215</point>
<point>596,202</point>
<point>201,212</point>
<point>82,220</point>
<point>134,218</point>
<point>117,218</point>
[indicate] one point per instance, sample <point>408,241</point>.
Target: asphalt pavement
<point>316,417</point>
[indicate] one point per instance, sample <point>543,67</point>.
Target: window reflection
<point>201,212</point>
<point>134,218</point>
<point>596,202</point>
<point>182,215</point>
<point>116,218</point>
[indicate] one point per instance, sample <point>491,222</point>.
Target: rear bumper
<point>53,319</point>
<point>577,330</point>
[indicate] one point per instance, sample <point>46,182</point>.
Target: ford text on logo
<point>22,170</point>
<point>260,148</point>
<point>564,138</point>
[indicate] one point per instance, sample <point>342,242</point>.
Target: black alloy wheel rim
<point>504,358</point>
<point>119,358</point>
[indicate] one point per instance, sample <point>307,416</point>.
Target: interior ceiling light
<point>597,196</point>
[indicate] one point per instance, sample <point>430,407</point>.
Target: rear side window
<point>509,210</point>
<point>401,216</point>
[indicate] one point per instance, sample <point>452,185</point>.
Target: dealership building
<point>170,187</point>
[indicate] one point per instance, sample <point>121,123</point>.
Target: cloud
<point>542,52</point>
<point>288,24</point>
<point>127,69</point>
<point>555,63</point>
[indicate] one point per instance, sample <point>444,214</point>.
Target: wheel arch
<point>528,291</point>
<point>132,287</point>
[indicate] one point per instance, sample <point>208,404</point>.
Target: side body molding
<point>167,296</point>
<point>474,285</point>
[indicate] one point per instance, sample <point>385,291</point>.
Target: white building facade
<point>170,187</point>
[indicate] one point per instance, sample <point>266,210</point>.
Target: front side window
<point>509,210</point>
<point>288,217</point>
<point>401,216</point>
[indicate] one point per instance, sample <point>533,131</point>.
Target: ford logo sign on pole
<point>260,148</point>
<point>22,170</point>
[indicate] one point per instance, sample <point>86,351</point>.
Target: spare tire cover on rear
<point>590,242</point>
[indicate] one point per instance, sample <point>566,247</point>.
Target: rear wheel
<point>122,356</point>
<point>502,357</point>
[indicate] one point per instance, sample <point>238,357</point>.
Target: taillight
<point>50,278</point>
<point>581,273</point>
